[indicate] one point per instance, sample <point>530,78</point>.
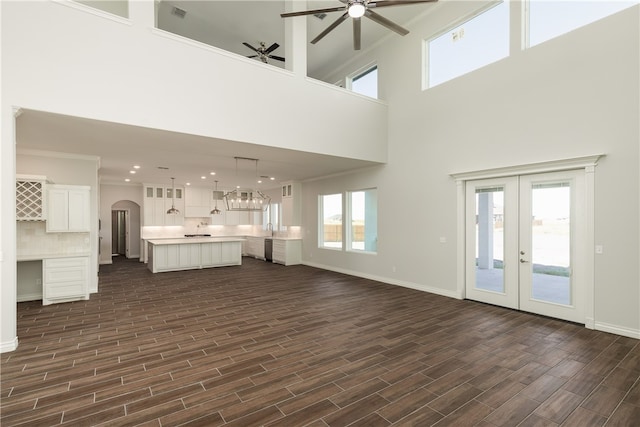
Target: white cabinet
<point>254,247</point>
<point>157,200</point>
<point>68,208</point>
<point>287,252</point>
<point>65,279</point>
<point>30,198</point>
<point>218,254</point>
<point>291,203</point>
<point>237,218</point>
<point>188,256</point>
<point>197,202</point>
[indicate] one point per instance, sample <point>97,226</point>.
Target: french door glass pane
<point>551,242</point>
<point>490,239</point>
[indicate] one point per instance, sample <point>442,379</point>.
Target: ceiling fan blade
<point>272,48</point>
<point>277,58</point>
<point>385,22</point>
<point>312,12</point>
<point>385,3</point>
<point>357,30</point>
<point>252,56</point>
<point>337,22</point>
<point>250,47</point>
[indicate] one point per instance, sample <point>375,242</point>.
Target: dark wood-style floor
<point>264,344</point>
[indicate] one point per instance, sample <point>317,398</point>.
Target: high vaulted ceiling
<point>226,25</point>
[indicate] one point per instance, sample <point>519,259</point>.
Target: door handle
<point>522,261</point>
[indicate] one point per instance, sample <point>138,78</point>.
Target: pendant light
<point>173,210</point>
<point>246,200</point>
<point>215,210</point>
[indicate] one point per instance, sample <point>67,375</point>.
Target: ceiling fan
<point>356,9</point>
<point>264,52</point>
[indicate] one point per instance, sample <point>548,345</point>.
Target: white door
<point>526,243</point>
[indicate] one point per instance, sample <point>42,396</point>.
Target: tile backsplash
<point>32,239</point>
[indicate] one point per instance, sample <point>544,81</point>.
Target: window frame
<point>360,73</point>
<point>526,22</point>
<point>349,241</point>
<point>426,62</point>
<point>321,225</point>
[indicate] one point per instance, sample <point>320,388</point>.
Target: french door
<point>525,243</point>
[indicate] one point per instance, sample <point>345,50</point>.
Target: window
<point>363,220</point>
<point>330,227</point>
<point>273,215</point>
<point>549,19</point>
<point>366,83</point>
<point>116,7</point>
<point>477,42</point>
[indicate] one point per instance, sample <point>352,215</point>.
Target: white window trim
<point>358,73</point>
<point>587,163</point>
<point>348,226</point>
<point>321,225</point>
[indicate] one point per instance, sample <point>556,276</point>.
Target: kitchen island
<point>193,253</point>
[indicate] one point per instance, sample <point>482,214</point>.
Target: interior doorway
<point>525,243</point>
<point>120,233</point>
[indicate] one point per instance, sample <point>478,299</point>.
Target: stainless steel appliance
<point>268,250</point>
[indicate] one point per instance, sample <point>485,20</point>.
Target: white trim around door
<point>587,166</point>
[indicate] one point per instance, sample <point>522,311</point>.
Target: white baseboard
<point>404,284</point>
<point>618,330</point>
<point>106,262</point>
<point>29,297</point>
<point>8,346</point>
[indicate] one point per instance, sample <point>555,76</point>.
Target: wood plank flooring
<point>264,344</point>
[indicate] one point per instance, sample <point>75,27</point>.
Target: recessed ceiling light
<point>272,178</point>
<point>127,180</point>
<point>188,183</point>
<point>259,181</point>
<point>132,172</point>
<point>212,173</point>
<point>203,177</point>
<point>136,166</point>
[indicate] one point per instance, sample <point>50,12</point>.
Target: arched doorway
<point>125,229</point>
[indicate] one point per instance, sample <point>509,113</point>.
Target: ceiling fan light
<point>356,10</point>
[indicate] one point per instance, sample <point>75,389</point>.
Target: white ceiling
<point>224,24</point>
<point>187,157</point>
<point>227,24</point>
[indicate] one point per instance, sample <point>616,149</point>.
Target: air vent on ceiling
<point>320,16</point>
<point>180,13</point>
<point>163,167</point>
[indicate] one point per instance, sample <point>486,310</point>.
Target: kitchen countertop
<point>181,240</point>
<point>210,239</point>
<point>38,257</point>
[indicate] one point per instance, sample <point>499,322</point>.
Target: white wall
<point>573,96</point>
<point>58,58</point>
<point>73,170</point>
<point>172,84</point>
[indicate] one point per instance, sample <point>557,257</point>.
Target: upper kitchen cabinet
<point>291,203</point>
<point>158,199</point>
<point>197,202</point>
<point>68,208</point>
<point>30,198</point>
